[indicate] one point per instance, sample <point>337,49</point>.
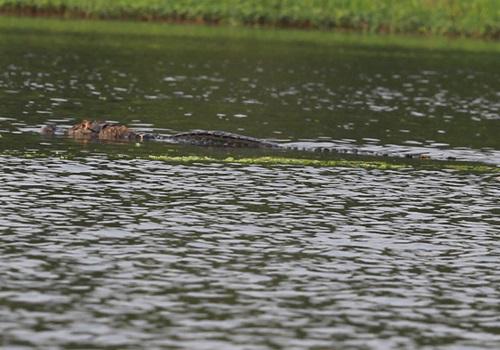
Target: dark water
<point>102,252</point>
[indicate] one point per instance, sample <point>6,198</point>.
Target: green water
<point>162,246</point>
<point>265,87</point>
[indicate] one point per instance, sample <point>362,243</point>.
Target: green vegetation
<point>348,163</point>
<point>394,164</point>
<point>285,161</point>
<point>450,17</point>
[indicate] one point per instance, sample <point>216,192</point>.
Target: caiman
<point>96,130</point>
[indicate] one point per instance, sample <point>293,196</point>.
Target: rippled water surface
<point>104,246</point>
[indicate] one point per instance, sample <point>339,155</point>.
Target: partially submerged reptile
<point>95,130</point>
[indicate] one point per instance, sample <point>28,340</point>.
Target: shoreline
<point>46,26</point>
<point>322,24</point>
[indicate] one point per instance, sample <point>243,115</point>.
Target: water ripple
<point>118,253</point>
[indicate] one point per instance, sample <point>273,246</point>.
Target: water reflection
<point>117,253</point>
<point>99,252</point>
<point>299,93</point>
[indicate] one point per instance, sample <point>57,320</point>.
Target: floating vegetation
<point>382,165</point>
<point>285,161</point>
<point>272,161</point>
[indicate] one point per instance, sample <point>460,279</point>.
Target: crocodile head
<point>85,129</point>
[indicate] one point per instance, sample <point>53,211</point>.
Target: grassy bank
<point>479,18</point>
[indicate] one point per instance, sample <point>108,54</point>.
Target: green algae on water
<point>285,161</point>
<point>271,161</point>
<point>364,164</point>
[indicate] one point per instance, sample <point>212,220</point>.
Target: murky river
<point>105,246</point>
